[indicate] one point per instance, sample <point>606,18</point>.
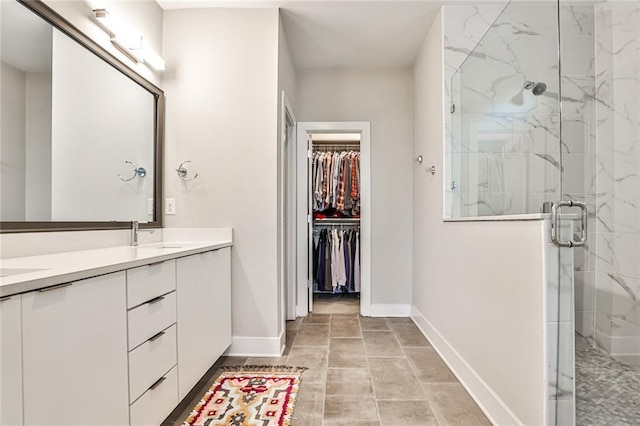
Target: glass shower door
<point>503,126</point>
<point>573,219</point>
<point>600,127</point>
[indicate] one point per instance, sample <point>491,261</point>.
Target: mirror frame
<point>60,23</point>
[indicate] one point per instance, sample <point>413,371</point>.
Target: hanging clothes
<point>336,183</point>
<point>318,258</point>
<point>347,258</point>
<point>338,277</point>
<point>356,273</point>
<point>336,261</point>
<point>326,280</point>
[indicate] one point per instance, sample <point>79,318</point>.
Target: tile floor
<point>607,390</point>
<point>336,304</point>
<point>362,371</point>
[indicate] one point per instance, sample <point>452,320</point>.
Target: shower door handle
<point>555,223</point>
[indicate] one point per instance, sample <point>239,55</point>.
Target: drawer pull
<point>55,287</point>
<point>157,336</point>
<point>156,263</point>
<point>157,383</point>
<point>155,300</point>
<point>2,299</point>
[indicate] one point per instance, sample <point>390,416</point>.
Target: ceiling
<point>352,33</point>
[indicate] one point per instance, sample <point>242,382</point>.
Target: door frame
<point>305,128</point>
<point>288,223</point>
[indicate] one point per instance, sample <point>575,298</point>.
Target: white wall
<point>477,286</point>
<point>25,142</point>
<point>12,143</point>
<point>286,69</point>
<point>38,147</point>
<point>93,134</point>
<point>384,98</point>
<point>222,103</point>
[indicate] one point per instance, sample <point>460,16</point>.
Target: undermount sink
<point>7,272</point>
<point>161,246</point>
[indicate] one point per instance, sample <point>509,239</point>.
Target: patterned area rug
<point>249,396</point>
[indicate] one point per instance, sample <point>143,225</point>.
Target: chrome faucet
<point>134,232</point>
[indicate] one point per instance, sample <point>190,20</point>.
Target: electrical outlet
<point>150,206</point>
<point>170,206</point>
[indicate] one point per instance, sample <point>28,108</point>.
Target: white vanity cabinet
<point>75,353</point>
<point>10,361</point>
<point>113,347</point>
<point>204,313</point>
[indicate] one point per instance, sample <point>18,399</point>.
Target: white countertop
<point>22,274</point>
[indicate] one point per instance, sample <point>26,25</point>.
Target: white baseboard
<point>493,407</point>
<point>256,346</point>
<point>389,310</point>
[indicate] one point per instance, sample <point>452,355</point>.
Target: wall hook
<point>137,171</point>
<point>419,159</point>
<point>432,169</point>
<point>182,172</point>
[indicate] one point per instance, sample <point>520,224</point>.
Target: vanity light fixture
<point>153,59</point>
<point>128,41</point>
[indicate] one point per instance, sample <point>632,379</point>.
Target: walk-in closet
<point>335,231</point>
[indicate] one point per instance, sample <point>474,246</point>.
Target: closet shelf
<point>332,221</point>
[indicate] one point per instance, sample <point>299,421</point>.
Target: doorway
<point>349,230</point>
<point>288,209</point>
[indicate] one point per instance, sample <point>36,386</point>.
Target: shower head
<point>536,88</point>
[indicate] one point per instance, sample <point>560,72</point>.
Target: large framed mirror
<point>81,133</point>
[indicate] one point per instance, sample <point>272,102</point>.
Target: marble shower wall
<point>577,56</point>
<point>559,270</point>
<point>505,142</point>
<point>617,68</point>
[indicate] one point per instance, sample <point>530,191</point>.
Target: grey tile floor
<point>336,304</point>
<point>362,371</point>
<point>607,391</point>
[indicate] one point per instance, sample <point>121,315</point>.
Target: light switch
<point>170,206</point>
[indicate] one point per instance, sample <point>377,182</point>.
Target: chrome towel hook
<point>137,171</point>
<point>182,172</point>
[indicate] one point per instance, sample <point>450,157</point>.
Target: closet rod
<point>336,142</point>
<point>336,147</point>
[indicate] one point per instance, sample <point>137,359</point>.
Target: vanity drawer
<point>150,318</point>
<point>157,403</point>
<point>151,360</point>
<point>149,281</point>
